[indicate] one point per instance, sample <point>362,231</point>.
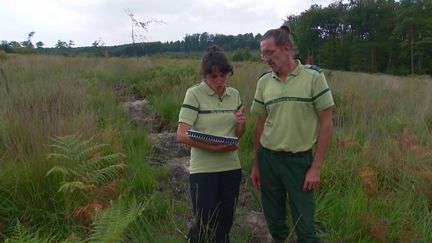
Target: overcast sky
<point>85,21</point>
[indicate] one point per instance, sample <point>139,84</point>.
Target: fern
<point>112,224</point>
<point>58,156</point>
<point>58,169</point>
<point>84,171</point>
<point>95,164</point>
<point>21,234</point>
<point>106,174</point>
<point>70,187</point>
<point>90,151</point>
<point>73,149</point>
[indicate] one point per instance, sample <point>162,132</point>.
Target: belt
<point>289,154</point>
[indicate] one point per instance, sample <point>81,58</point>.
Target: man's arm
<point>312,178</point>
<point>259,127</point>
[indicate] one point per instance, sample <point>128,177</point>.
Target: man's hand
<point>255,176</point>
<point>312,179</point>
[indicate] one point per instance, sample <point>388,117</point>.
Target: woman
<point>213,107</point>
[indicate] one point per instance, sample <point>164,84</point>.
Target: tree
<point>29,39</point>
<point>28,43</point>
<point>413,31</point>
<point>70,44</point>
<point>97,48</point>
<point>4,46</point>
<point>61,44</point>
<point>40,45</point>
<point>14,44</point>
<point>204,40</point>
<point>139,25</point>
<point>370,23</point>
<point>320,32</point>
<point>192,42</point>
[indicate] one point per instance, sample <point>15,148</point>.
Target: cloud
<point>85,21</point>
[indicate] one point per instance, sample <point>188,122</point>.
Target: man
<point>293,105</point>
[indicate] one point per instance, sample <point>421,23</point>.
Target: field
<point>74,167</point>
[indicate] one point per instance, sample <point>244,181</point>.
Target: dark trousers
<point>214,198</point>
<point>282,174</point>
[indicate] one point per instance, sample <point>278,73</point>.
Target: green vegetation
<point>73,168</point>
<point>367,35</point>
<point>244,54</point>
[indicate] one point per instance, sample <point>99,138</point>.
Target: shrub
<point>241,55</point>
<point>2,55</point>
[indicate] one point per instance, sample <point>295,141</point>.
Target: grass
<point>376,181</point>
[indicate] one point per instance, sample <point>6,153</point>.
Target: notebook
<point>209,138</point>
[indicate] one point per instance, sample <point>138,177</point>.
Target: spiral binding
<point>212,138</point>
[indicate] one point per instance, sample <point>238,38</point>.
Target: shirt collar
<point>294,73</point>
<point>211,92</point>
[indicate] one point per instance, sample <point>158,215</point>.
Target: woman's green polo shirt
<point>291,108</point>
<point>206,112</point>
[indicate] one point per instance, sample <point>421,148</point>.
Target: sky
<point>107,21</point>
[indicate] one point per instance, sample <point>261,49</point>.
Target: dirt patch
<point>167,151</point>
<point>165,147</point>
<point>143,115</point>
<point>257,223</point>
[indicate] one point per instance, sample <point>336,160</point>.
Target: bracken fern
<point>82,168</point>
<point>111,225</point>
<point>89,179</point>
<point>21,234</point>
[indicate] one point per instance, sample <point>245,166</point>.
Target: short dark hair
<point>215,57</point>
<point>281,36</point>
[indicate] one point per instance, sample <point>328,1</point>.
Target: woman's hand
<point>220,148</point>
<point>240,120</point>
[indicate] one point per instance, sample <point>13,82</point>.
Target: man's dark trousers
<point>283,173</point>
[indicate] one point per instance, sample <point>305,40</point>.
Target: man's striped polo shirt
<point>291,108</point>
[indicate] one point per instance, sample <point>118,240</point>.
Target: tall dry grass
<point>382,140</point>
<point>376,181</point>
<point>55,96</point>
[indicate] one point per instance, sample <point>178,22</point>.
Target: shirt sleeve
<point>189,109</point>
<point>322,96</point>
<point>258,107</point>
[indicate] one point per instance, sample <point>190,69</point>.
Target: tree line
<point>191,43</point>
<point>357,35</point>
<point>367,35</point>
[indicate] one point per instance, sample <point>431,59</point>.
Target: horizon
<point>84,22</point>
